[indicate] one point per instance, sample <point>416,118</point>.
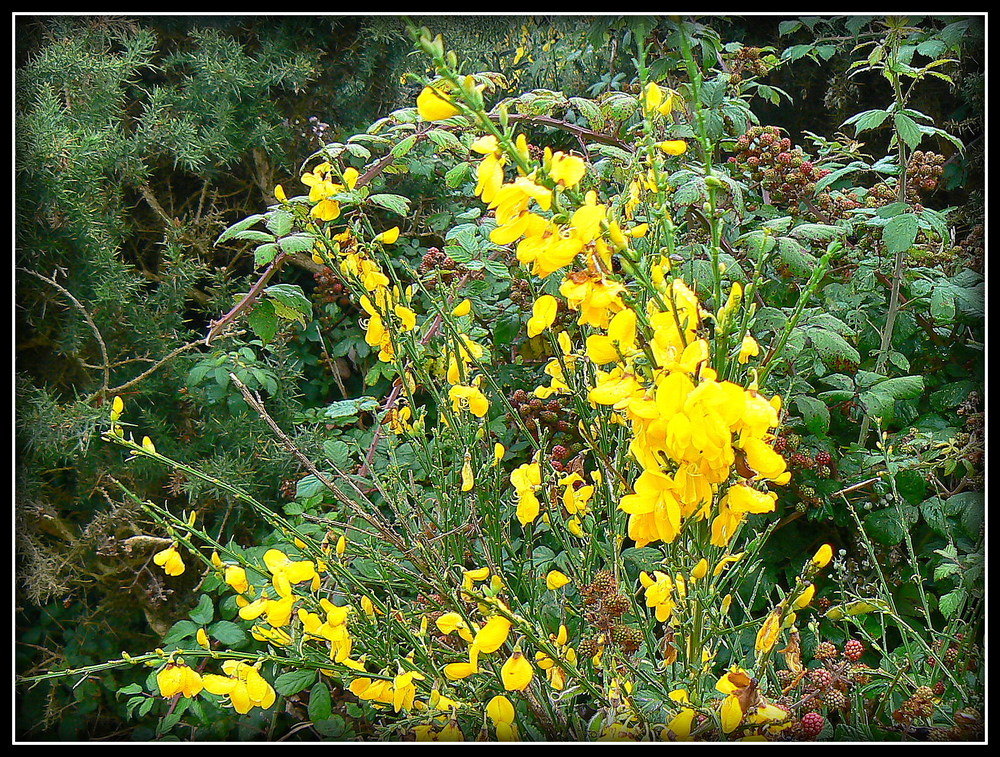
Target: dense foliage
<point>561,379</point>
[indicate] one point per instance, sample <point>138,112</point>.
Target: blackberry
<point>821,678</point>
<point>825,651</point>
<point>824,458</point>
<point>853,650</point>
<point>812,724</point>
<point>835,699</point>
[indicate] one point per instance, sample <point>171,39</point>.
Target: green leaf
<point>395,203</point>
<point>294,681</point>
<point>815,414</point>
<point>204,612</point>
<point>320,703</point>
<point>263,321</point>
<point>264,254</point>
<point>908,130</point>
<point>900,233</point>
<point>280,222</point>
<point>228,633</point>
<point>182,629</point>
<point>237,227</point>
<point>951,602</point>
<point>297,243</point>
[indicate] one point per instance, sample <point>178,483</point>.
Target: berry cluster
<point>746,63</point>
<point>919,706</point>
<point>924,170</point>
<point>554,415</point>
<point>784,172</point>
<point>604,606</point>
<point>437,267</point>
<point>329,289</point>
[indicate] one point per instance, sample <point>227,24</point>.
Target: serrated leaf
<point>294,681</point>
<point>264,254</point>
<point>297,243</point>
<point>900,233</point>
<point>815,414</point>
<point>237,227</point>
<point>320,702</point>
<point>263,321</point>
<point>908,130</point>
<point>395,203</point>
<point>280,222</point>
<point>228,633</point>
<point>203,613</point>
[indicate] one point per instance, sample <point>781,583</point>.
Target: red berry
<point>853,650</point>
<point>812,724</point>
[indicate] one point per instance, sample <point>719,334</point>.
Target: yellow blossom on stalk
<point>468,397</point>
<point>498,453</point>
<point>432,105</point>
<point>202,638</point>
<point>456,671</point>
<point>575,500</point>
<point>517,672</point>
<point>700,570</point>
<point>493,635</point>
<point>822,557</point>
<point>147,444</point>
<point>243,684</point>
<point>388,237</point>
<point>489,177</point>
<point>468,479</point>
<point>659,589</point>
<point>768,633</point>
<point>486,145</point>
<point>673,146</point>
<point>543,315</point>
<point>170,560</point>
<point>463,308</point>
<point>566,170</point>
<point>748,349</point>
<point>680,724</point>
<point>404,691</point>
<point>178,678</point>
<point>556,580</point>
<point>117,406</point>
<point>285,572</point>
<point>501,711</point>
<point>805,597</point>
<point>652,96</point>
<point>236,577</point>
<point>279,194</point>
<point>525,479</point>
<point>452,622</point>
<point>596,297</point>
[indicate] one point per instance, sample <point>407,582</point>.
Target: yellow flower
<point>243,684</point>
<point>748,349</point>
<point>470,397</point>
<point>517,672</point>
<point>556,580</point>
<point>236,577</point>
<point>822,557</point>
<point>543,315</point>
<point>433,106</point>
<point>202,638</point>
<point>673,147</point>
<point>279,194</point>
<point>567,170</point>
<point>805,597</point>
<point>170,560</point>
<point>147,444</point>
<point>463,308</point>
<point>492,635</point>
<point>177,678</point>
<point>768,633</point>
<point>468,479</point>
<point>388,237</point>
